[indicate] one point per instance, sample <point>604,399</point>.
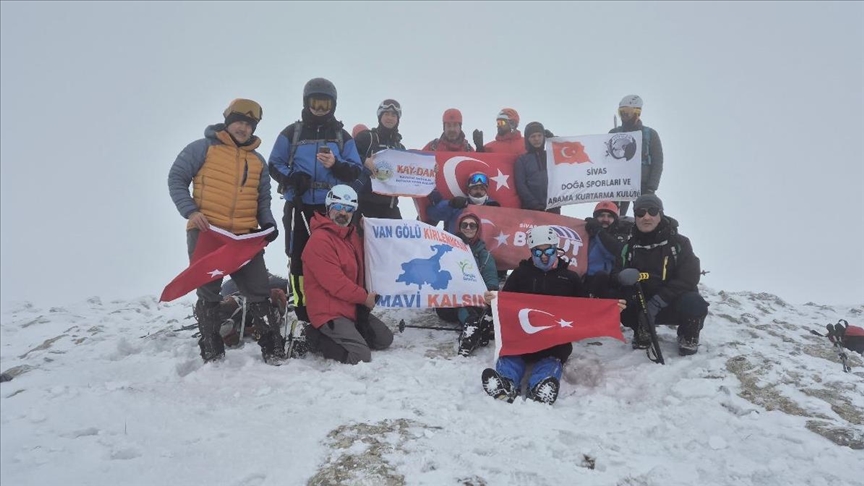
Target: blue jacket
<point>346,170</point>
<point>441,210</point>
<point>600,259</point>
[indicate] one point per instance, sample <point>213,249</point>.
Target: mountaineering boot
<point>487,329</point>
<point>266,319</point>
<point>498,387</point>
<point>471,335</point>
<point>688,335</point>
<point>209,321</point>
<point>641,338</point>
<point>545,391</point>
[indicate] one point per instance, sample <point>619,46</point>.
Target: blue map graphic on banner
<point>420,271</point>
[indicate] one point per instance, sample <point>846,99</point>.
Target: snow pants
<point>548,362</point>
<point>252,279</point>
<point>690,307</point>
<point>341,339</point>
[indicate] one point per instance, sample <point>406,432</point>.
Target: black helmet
<point>319,86</point>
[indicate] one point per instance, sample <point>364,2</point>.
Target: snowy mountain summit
<point>112,393</point>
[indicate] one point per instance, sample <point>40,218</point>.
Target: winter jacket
<point>605,247</point>
<point>440,210</point>
<point>443,145</point>
<point>666,256</point>
<point>531,179</point>
<point>368,142</point>
<point>651,169</point>
<point>560,281</point>
<point>510,143</point>
<point>346,170</point>
<point>485,263</point>
<point>333,271</point>
<point>229,183</point>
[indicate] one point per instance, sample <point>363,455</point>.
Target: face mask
<point>479,200</point>
<point>543,266</point>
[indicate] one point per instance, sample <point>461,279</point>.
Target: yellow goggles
<point>503,123</point>
<point>320,104</point>
<point>246,108</point>
<point>626,110</point>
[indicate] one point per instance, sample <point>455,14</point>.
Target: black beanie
<point>534,127</point>
<point>234,117</point>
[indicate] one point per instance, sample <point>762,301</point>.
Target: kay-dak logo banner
<point>413,264</point>
<point>400,173</point>
<point>593,168</point>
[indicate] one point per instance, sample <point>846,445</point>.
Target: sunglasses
<point>320,104</point>
<point>640,213</point>
<point>342,207</point>
<point>468,225</point>
<point>537,252</point>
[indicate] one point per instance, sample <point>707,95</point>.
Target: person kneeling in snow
<point>477,328</point>
<point>341,326</point>
<point>544,273</point>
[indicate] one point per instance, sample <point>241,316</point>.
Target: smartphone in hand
<point>323,149</point>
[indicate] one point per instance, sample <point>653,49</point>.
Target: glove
<point>648,191</point>
<point>592,226</point>
<point>548,133</point>
<point>458,202</point>
<point>301,182</point>
<point>478,139</point>
<point>654,306</point>
<point>272,236</point>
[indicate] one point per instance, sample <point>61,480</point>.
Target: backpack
<point>295,140</point>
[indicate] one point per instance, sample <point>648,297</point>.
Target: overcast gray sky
<point>760,107</point>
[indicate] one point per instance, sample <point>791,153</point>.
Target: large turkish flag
<point>527,323</point>
<point>217,253</point>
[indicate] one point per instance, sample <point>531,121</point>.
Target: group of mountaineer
<point>323,173</point>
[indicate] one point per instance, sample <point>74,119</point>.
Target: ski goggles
<point>468,225</point>
<point>503,123</point>
<point>389,105</point>
<point>628,110</point>
<point>640,213</point>
<point>320,104</point>
<point>342,207</point>
<point>537,252</point>
<point>478,180</point>
<point>247,108</point>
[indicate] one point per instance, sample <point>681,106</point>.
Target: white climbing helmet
<point>631,101</point>
<point>542,235</point>
<point>341,194</point>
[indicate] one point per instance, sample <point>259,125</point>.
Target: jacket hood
<point>217,132</point>
<point>478,236</point>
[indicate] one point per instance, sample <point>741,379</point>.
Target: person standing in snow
<point>530,170</point>
<point>545,273</point>
<point>384,136</point>
<point>509,138</point>
<point>477,328</point>
<point>630,111</point>
<point>308,159</point>
<point>342,327</point>
<point>607,237</point>
<point>453,138</point>
<point>235,197</point>
<point>655,247</point>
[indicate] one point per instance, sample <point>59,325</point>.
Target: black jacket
<point>652,156</point>
<point>666,256</point>
<point>560,281</point>
<point>368,142</point>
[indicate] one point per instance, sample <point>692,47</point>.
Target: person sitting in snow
<point>236,197</point>
<point>477,329</point>
<point>341,326</point>
<point>655,247</point>
<point>607,237</point>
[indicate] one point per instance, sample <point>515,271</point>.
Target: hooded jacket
<point>368,142</point>
<point>666,256</point>
<point>441,144</point>
<point>509,143</point>
<point>531,178</point>
<point>652,171</point>
<point>333,271</point>
<point>229,182</point>
<point>440,210</point>
<point>485,263</point>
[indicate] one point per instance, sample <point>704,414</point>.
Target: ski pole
<point>402,327</point>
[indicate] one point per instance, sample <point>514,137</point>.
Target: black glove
<point>458,202</point>
<point>478,139</point>
<point>345,172</point>
<point>654,306</point>
<point>272,236</point>
<point>301,182</point>
<point>592,226</point>
<point>547,133</point>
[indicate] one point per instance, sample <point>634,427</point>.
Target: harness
<point>295,141</point>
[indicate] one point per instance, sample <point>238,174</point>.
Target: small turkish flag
<point>217,253</point>
<point>569,153</point>
<point>527,323</point>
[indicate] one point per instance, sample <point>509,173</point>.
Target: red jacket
<point>443,145</point>
<point>511,143</point>
<point>332,271</point>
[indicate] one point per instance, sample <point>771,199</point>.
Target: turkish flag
<point>454,168</point>
<point>527,323</point>
<point>569,153</point>
<point>505,232</point>
<point>217,253</point>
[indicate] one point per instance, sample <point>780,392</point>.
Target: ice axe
<point>631,277</point>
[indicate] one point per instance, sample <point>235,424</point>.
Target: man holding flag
<point>230,197</point>
<point>547,341</point>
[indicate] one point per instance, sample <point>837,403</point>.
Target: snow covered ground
<point>95,401</point>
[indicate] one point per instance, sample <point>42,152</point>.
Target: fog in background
<point>760,108</point>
